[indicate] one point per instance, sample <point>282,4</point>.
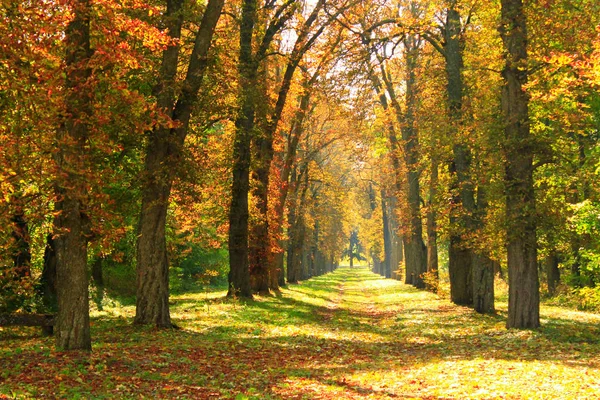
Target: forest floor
<point>345,335</point>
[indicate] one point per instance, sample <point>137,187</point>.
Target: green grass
<point>346,335</point>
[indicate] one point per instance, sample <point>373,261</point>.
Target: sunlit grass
<point>345,335</point>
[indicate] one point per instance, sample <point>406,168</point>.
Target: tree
<point>259,249</point>
<point>162,156</point>
<point>71,224</point>
<point>249,63</point>
<point>523,301</point>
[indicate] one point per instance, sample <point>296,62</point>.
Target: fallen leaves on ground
<point>346,335</point>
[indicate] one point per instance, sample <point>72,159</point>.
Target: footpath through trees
<point>349,334</point>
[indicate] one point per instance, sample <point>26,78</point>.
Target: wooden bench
<point>46,321</point>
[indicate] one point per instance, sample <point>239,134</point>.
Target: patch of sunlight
<point>481,379</point>
<point>310,388</point>
<point>553,312</point>
<point>113,311</point>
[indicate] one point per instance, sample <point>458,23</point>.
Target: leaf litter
<point>346,335</point>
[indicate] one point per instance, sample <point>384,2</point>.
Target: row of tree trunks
<point>392,243</point>
<point>286,169</point>
<point>251,56</point>
<point>261,265</point>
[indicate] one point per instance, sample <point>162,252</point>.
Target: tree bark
<point>552,273</point>
<point>523,296</point>
<point>239,274</point>
<point>387,243</point>
<point>461,255</point>
<point>260,254</point>
<point>48,278</point>
<point>483,267</point>
<point>414,248</point>
<point>289,159</point>
<point>394,149</point>
<point>297,227</point>
<point>162,157</point>
<point>432,248</point>
<point>73,319</point>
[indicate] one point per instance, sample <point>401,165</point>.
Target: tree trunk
<point>523,296</point>
<point>432,249</point>
<point>260,251</point>
<point>387,244</point>
<point>394,149</point>
<point>461,255</point>
<point>73,320</point>
<point>48,278</point>
<point>292,233</point>
<point>239,274</point>
<point>376,264</point>
<point>483,284</point>
<point>397,251</point>
<point>552,273</point>
<point>414,248</point>
<point>286,169</point>
<point>483,266</point>
<point>152,296</point>
<point>162,157</point>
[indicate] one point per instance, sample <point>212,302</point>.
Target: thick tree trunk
<point>262,155</point>
<point>523,296</point>
<point>239,274</point>
<point>483,284</point>
<point>162,156</point>
<point>261,262</point>
<point>461,255</point>
<point>414,248</point>
<point>73,320</point>
<point>152,301</point>
<point>259,250</point>
<point>152,294</point>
